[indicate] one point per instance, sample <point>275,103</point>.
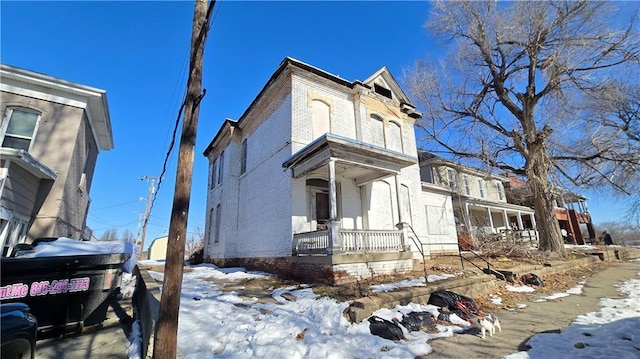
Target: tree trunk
<point>548,228</point>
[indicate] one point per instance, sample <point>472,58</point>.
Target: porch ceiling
<point>362,162</point>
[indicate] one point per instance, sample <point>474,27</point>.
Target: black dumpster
<point>62,291</point>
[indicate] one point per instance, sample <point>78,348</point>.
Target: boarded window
<point>394,137</point>
<point>437,220</point>
<point>320,118</point>
<point>406,204</point>
<point>377,131</point>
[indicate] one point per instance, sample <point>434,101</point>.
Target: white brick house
<point>319,178</point>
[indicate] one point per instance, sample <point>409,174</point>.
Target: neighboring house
<point>571,211</point>
<point>479,200</point>
<point>50,136</point>
<point>158,249</point>
<point>319,179</point>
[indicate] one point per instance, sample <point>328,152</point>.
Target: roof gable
<point>384,79</point>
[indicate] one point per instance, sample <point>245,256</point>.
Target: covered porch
<point>348,198</point>
<point>503,219</point>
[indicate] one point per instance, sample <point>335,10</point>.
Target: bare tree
<point>622,233</point>
<point>128,236</point>
<point>194,243</point>
<point>512,94</point>
<point>109,234</point>
<point>615,114</point>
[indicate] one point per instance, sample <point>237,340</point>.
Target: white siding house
<point>479,200</point>
<point>319,179</point>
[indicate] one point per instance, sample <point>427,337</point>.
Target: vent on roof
<point>382,91</point>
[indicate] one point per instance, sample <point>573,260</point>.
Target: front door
<point>321,209</point>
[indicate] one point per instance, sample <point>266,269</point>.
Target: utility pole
<point>146,212</point>
<point>165,340</point>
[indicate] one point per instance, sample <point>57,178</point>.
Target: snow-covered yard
<point>303,325</point>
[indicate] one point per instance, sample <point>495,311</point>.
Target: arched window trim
<point>317,121</point>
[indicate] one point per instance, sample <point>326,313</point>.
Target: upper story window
<point>451,178</point>
<point>500,188</point>
<point>377,131</point>
<point>481,187</point>
<point>382,91</point>
<point>394,137</point>
<point>243,157</point>
<point>19,127</point>
<point>220,167</point>
<point>467,186</point>
<point>214,172</point>
<point>320,118</point>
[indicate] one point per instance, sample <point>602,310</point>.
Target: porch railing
<point>360,241</point>
<point>316,242</point>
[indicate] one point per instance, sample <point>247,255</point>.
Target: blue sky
<point>138,52</point>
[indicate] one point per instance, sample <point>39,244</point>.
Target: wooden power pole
<point>147,212</point>
<point>165,340</point>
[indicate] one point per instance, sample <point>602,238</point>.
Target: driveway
<point>108,340</point>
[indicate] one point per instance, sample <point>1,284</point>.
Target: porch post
<point>490,220</point>
<point>334,223</point>
<point>401,223</point>
<point>399,200</point>
<point>533,224</point>
<point>505,218</point>
<point>520,224</point>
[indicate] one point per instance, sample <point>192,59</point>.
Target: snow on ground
<point>520,288</point>
<point>611,332</point>
<point>213,324</point>
<point>575,290</point>
<point>495,299</point>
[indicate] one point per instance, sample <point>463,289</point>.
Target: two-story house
<point>50,136</point>
<point>319,179</point>
<point>479,201</point>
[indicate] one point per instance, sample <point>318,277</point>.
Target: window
<point>481,187</point>
<point>377,131</point>
<point>382,90</point>
<point>320,118</point>
<point>437,220</point>
<point>20,128</point>
<point>214,170</point>
<point>220,167</point>
<point>243,159</point>
<point>500,188</point>
<point>451,178</point>
<point>210,226</point>
<point>394,137</point>
<point>467,186</point>
<point>216,239</point>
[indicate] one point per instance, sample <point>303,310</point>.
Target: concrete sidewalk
<point>519,326</point>
<point>108,340</point>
